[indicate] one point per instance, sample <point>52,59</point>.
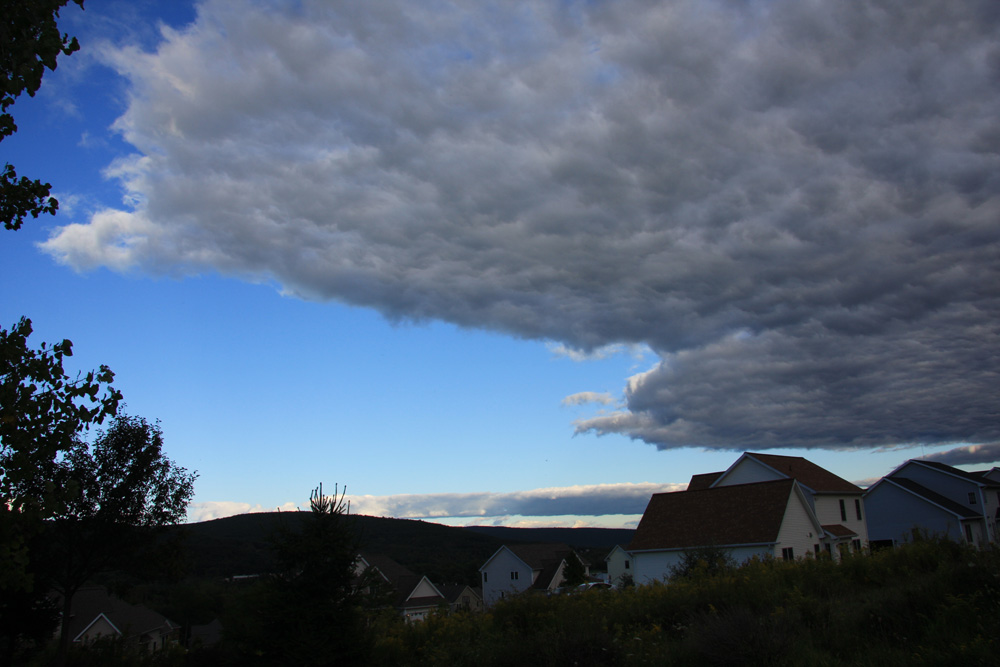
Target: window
<point>857,507</point>
<point>627,564</point>
<point>788,553</point>
<point>484,577</point>
<point>857,545</point>
<point>968,533</point>
<point>513,576</point>
<point>816,549</point>
<point>843,511</point>
<point>972,498</point>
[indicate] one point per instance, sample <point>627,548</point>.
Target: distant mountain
<point>240,545</point>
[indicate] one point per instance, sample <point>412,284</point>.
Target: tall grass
<point>929,602</point>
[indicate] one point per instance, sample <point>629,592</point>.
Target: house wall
<point>797,529</point>
<point>828,512</point>
<point>423,590</point>
<point>748,471</point>
<point>653,566</point>
<point>951,487</point>
<point>893,513</point>
<point>497,580</point>
<point>619,564</point>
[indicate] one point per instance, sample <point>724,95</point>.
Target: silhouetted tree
<point>123,488</point>
<point>42,411</point>
<point>310,609</point>
<point>575,573</point>
<point>29,42</point>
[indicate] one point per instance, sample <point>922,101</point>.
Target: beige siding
<point>828,512</point>
<point>747,472</point>
<point>797,529</point>
<point>423,590</point>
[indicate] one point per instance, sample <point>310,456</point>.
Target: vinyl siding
<point>893,513</point>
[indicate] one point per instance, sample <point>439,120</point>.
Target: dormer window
<point>972,498</point>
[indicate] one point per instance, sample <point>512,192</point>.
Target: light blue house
<point>933,499</point>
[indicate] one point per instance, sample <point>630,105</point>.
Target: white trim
<point>91,624</point>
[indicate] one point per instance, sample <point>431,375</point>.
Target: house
<point>461,597</point>
<point>936,499</point>
<point>516,568</point>
<point>95,613</point>
<point>414,596</point>
<point>619,566</point>
<point>762,519</point>
<point>837,503</point>
<point>421,600</point>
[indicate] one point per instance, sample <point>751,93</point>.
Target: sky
<point>522,263</point>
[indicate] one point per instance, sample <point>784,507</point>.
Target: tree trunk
<point>67,605</point>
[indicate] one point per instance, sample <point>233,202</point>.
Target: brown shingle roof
<point>721,516</point>
<point>543,557</point>
<point>838,530</point>
<point>703,480</point>
<point>808,473</point>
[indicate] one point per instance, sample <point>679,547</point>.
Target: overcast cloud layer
<point>794,204</point>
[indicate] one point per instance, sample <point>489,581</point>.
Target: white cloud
<point>822,178</point>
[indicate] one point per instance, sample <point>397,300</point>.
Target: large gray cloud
<point>795,204</point>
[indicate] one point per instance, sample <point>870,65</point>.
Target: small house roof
<point>91,603</point>
<point>976,478</point>
<point>837,530</point>
<point>816,478</point>
<point>926,494</point>
<point>720,516</point>
<point>703,480</point>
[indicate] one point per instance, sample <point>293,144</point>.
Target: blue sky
<point>521,264</point>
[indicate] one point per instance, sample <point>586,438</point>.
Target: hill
<point>240,545</point>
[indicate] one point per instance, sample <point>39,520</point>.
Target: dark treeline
<point>926,603</point>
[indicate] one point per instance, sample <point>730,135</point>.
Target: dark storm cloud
<point>969,455</point>
<point>795,204</point>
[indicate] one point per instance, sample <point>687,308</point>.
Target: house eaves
<point>930,497</point>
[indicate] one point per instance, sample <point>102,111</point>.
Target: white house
<point>837,503</point>
<point>619,566</point>
<point>95,613</point>
<point>762,519</point>
<point>935,499</point>
<point>516,568</point>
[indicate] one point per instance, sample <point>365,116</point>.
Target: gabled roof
<point>949,470</point>
<point>453,592</point>
<point>390,570</point>
<point>839,531</point>
<point>91,603</point>
<point>720,516</point>
<point>704,480</point>
<point>542,558</point>
<point>617,547</point>
<point>929,496</point>
<point>810,475</point>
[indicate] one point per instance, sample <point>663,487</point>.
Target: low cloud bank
<point>599,504</point>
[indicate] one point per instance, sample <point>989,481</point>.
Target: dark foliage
<point>308,612</point>
<point>30,42</point>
